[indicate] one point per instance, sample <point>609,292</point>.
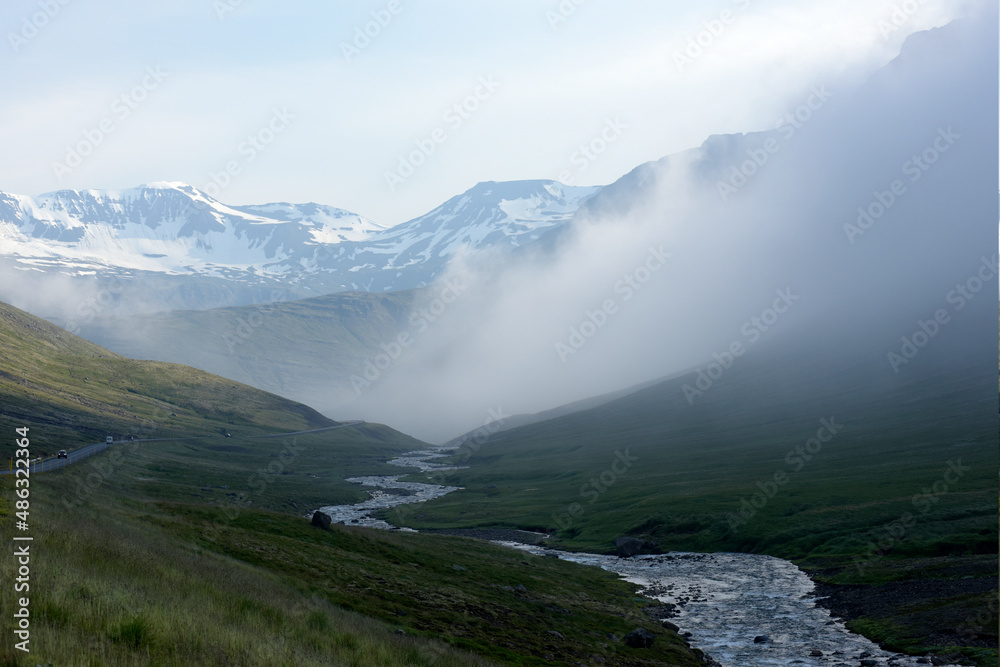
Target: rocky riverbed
<point>743,610</point>
<point>387,491</point>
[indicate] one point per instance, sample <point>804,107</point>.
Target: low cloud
<point>666,273</point>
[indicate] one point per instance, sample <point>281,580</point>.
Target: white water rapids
<point>383,497</point>
<point>743,610</point>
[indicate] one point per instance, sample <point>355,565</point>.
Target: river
<point>388,491</point>
<point>744,610</point>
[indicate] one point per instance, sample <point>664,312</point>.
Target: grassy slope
<point>694,465</point>
<point>81,392</point>
<point>125,578</point>
<point>195,551</point>
<point>291,348</point>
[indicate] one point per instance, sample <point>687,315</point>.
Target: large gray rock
<point>640,638</point>
<point>628,546</point>
<point>321,520</point>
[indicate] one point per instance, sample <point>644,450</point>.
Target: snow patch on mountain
<point>172,228</point>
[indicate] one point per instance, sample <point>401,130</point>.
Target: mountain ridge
<point>173,229</point>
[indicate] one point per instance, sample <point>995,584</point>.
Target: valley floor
<point>163,566</point>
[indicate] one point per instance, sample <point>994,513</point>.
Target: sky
<point>389,108</point>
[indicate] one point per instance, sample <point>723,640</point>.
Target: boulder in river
<point>321,520</point>
<point>640,638</point>
<point>628,546</point>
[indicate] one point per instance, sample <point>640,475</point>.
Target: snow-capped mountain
<point>169,228</point>
<point>176,230</point>
<point>490,214</point>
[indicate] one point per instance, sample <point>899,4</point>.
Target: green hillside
<point>306,349</point>
<point>197,550</point>
<point>81,392</point>
<point>129,579</point>
<point>901,485</point>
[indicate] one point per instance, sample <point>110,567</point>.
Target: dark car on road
<point>62,454</point>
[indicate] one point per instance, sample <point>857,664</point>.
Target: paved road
<point>90,450</point>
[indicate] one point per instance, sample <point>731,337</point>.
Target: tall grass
<point>106,590</point>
